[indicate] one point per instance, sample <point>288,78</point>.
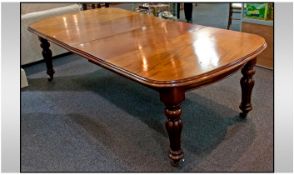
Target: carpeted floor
<point>92,120</point>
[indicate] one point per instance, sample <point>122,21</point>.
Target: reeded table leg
<point>247,84</point>
<point>172,99</point>
<point>47,55</point>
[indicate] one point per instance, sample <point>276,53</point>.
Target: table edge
<point>196,81</point>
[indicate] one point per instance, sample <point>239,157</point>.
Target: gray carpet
<point>92,120</point>
<point>213,15</point>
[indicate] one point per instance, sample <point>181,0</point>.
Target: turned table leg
<point>172,99</point>
<point>247,84</point>
<point>47,55</point>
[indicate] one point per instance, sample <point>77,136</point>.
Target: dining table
<point>170,57</point>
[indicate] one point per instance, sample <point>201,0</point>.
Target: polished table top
<point>153,51</point>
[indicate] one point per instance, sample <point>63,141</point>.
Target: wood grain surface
<point>150,50</point>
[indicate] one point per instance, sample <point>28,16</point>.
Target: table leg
<point>172,99</point>
<point>47,55</point>
<point>247,84</point>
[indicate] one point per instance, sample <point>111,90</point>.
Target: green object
<point>256,10</point>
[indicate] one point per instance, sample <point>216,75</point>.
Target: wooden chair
<point>235,8</point>
<point>86,6</point>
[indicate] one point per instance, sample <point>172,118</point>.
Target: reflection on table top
<point>147,48</point>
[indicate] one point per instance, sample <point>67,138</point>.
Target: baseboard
<point>269,68</point>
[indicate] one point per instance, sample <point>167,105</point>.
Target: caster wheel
<point>243,115</point>
<point>177,163</point>
<point>50,79</point>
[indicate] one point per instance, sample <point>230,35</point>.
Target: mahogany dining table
<point>170,57</point>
